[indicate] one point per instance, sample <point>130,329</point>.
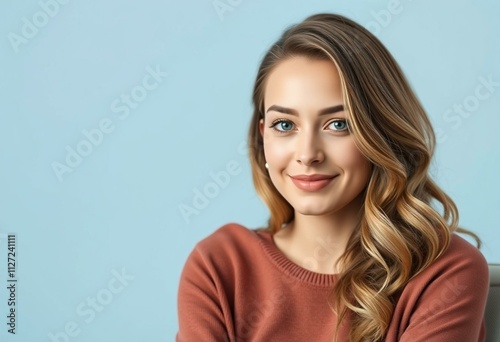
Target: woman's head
<point>386,121</point>
<point>305,132</point>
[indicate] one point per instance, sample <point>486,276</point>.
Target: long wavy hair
<point>400,231</point>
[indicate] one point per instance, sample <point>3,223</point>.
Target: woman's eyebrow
<point>324,111</point>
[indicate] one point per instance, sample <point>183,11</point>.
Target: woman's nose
<point>309,148</point>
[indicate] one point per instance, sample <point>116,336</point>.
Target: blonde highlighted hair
<point>400,232</point>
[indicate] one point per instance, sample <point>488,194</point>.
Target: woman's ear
<point>261,127</point>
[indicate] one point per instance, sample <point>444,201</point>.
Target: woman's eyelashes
<point>284,126</point>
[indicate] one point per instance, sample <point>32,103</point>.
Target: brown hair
<point>400,232</point>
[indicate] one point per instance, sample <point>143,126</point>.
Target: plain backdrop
<point>122,141</point>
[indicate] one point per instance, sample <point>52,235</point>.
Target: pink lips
<point>311,182</point>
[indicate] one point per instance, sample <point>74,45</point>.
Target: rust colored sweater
<point>237,286</point>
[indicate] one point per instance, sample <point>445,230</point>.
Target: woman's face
<point>305,133</point>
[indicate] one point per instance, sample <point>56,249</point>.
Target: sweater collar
<point>290,268</point>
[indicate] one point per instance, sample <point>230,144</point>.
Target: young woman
<point>361,244</point>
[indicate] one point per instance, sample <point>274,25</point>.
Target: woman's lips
<point>311,185</point>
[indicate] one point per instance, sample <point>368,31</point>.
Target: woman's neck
<point>316,242</point>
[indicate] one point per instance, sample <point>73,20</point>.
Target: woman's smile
<point>312,183</point>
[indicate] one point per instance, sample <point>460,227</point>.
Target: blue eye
<point>285,126</point>
<point>338,125</point>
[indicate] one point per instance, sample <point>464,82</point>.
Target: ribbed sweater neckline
<point>290,268</point>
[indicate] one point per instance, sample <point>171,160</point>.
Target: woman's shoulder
<point>462,253</point>
<point>448,294</point>
<point>230,236</point>
<point>461,260</point>
<point>227,253</point>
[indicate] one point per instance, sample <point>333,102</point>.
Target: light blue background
<point>119,209</point>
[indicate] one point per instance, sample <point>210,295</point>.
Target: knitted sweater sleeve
<point>451,301</point>
<point>199,307</point>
